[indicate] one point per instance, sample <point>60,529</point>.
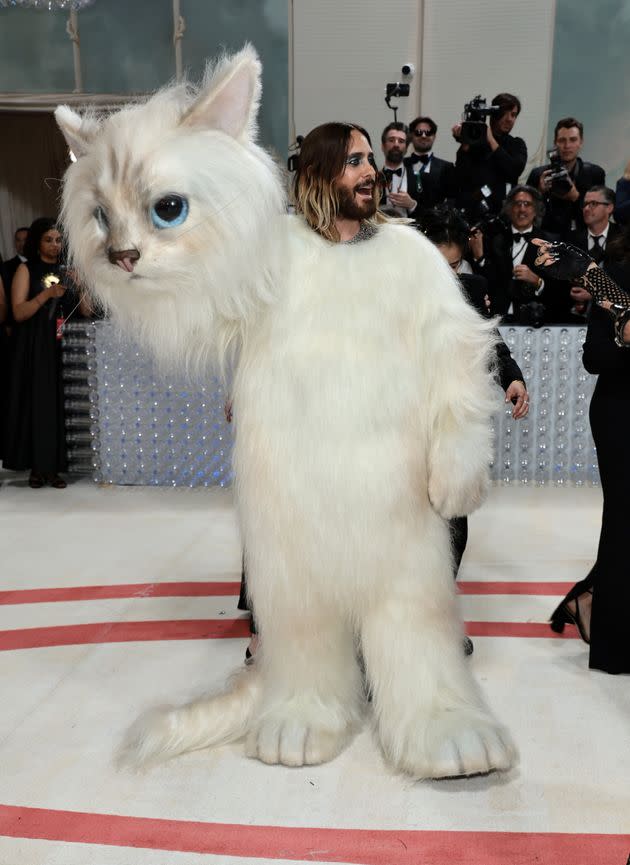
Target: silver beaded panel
<point>149,429</point>
<point>153,429</point>
<point>553,445</point>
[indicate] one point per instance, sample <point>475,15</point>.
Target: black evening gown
<point>35,431</point>
<point>610,421</point>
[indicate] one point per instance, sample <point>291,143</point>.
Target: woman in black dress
<point>35,433</point>
<point>598,604</point>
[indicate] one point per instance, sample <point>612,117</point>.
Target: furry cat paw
<point>294,742</point>
<point>452,744</point>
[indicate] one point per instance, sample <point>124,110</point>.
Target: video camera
<point>559,176</point>
<point>474,120</point>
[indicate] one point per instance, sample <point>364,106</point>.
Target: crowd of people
<point>566,199</point>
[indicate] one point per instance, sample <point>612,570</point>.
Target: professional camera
<point>560,180</point>
<point>474,120</point>
<point>527,307</point>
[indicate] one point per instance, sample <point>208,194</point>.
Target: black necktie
<point>597,250</point>
<point>389,173</point>
<point>516,236</point>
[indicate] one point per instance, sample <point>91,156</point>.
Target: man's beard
<point>395,157</point>
<point>350,208</point>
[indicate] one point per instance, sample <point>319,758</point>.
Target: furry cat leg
<point>430,716</point>
<point>312,688</point>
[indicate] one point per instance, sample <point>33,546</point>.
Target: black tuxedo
<point>498,268</point>
<point>561,216</point>
<point>480,166</point>
<point>412,190</point>
<point>580,238</point>
<point>435,186</point>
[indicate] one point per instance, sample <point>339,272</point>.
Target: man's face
<point>504,123</point>
<point>394,147</point>
<point>20,240</point>
<point>595,210</point>
<point>356,185</point>
<point>522,211</point>
<point>568,143</point>
<point>422,138</point>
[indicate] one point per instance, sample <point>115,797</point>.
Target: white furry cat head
<point>171,211</point>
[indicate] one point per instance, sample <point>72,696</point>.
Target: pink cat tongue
<point>126,264</point>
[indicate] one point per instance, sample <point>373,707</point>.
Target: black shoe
<point>468,646</point>
<point>562,616</point>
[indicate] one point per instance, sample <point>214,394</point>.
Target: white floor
<point>65,706</point>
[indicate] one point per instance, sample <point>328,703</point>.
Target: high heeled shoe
<point>563,615</point>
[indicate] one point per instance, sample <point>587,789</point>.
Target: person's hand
<point>456,132</point>
<point>522,272</point>
<point>571,195</point>
<point>401,199</point>
<point>492,141</point>
<point>517,394</point>
<point>488,304</point>
<point>475,242</point>
<point>227,410</point>
<point>561,260</point>
<point>579,294</point>
<point>544,182</point>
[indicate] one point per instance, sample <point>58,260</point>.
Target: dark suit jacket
<point>560,214</point>
<point>480,166</point>
<point>498,266</point>
<point>622,203</point>
<point>580,238</point>
<point>436,186</point>
<point>475,289</point>
<point>412,190</point>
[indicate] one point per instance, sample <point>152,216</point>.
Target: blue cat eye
<point>101,217</point>
<point>169,211</point>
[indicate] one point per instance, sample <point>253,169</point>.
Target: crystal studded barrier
<point>128,424</point>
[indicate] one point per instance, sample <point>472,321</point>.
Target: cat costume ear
<point>230,96</point>
<point>78,131</point>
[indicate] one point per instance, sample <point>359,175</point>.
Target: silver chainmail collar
<point>365,232</point>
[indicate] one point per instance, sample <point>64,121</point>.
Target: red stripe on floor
<point>123,632</point>
<point>356,846</point>
<point>211,629</point>
<point>208,589</point>
<point>469,587</point>
<point>205,589</point>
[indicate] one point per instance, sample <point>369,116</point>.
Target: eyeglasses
<point>519,203</point>
<point>595,203</point>
<point>422,133</point>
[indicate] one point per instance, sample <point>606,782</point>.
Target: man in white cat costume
<point>361,396</point>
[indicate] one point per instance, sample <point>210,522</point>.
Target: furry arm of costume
<point>463,398</point>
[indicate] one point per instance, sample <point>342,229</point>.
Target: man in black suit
<point>599,203</point>
<point>400,192</point>
<point>12,264</point>
<point>505,259</point>
<point>488,169</point>
<point>435,177</point>
<point>564,195</point>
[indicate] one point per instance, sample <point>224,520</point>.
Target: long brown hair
<point>321,161</point>
<point>619,247</point>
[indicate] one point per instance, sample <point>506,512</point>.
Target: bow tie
<point>417,157</point>
<point>389,172</point>
<point>516,236</point>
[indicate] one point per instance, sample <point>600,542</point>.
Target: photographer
<point>516,292</point>
<point>488,168</point>
<point>400,191</point>
<point>564,182</point>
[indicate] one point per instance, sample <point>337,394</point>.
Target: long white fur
<point>361,397</point>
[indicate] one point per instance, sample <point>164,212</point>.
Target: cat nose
<point>125,258</point>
